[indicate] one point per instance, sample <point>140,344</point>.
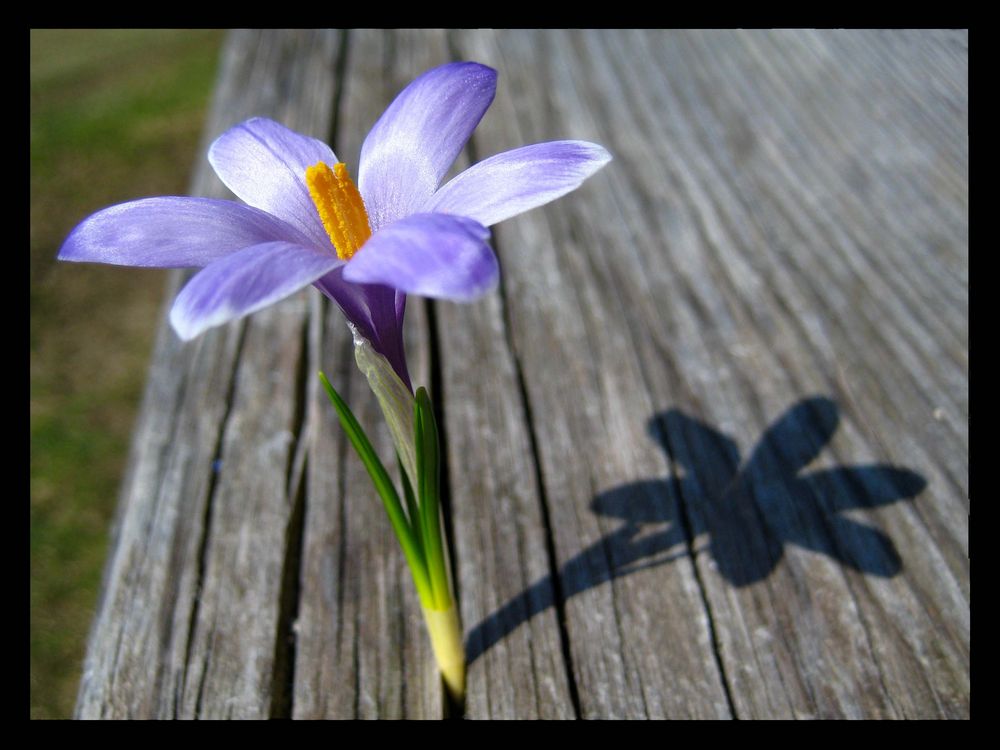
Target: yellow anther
<point>340,207</point>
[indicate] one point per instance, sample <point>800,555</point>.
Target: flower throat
<point>340,207</point>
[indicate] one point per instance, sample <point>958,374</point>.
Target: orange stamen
<point>340,207</point>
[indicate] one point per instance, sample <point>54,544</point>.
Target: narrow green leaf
<point>429,479</point>
<point>421,500</point>
<point>386,490</point>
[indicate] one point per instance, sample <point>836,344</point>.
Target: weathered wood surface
<point>707,446</point>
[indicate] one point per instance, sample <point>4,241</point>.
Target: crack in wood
<point>283,683</point>
<point>686,525</point>
<point>206,525</point>
<point>283,677</point>
<point>557,592</point>
<point>449,709</point>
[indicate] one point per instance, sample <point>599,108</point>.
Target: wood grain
<point>707,446</point>
<point>190,618</point>
<point>714,305</point>
<point>362,651</point>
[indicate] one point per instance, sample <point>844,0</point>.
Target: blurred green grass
<point>115,115</point>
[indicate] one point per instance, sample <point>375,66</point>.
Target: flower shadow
<point>748,511</point>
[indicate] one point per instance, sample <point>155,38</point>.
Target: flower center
<point>340,207</point>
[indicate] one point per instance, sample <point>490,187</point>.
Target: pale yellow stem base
<point>446,638</point>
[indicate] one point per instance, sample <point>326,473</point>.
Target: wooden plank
<point>639,640</point>
<point>190,621</point>
<point>861,336</point>
<point>508,596</point>
<point>766,280</point>
<point>361,647</point>
<point>707,447</point>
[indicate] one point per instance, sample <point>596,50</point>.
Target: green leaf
<point>386,490</point>
<point>428,490</point>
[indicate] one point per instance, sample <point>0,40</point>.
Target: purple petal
<point>172,232</point>
<point>416,140</point>
<point>433,255</point>
<point>516,181</point>
<point>265,163</point>
<point>244,282</point>
<point>375,310</point>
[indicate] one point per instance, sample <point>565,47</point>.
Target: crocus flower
<point>398,232</point>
